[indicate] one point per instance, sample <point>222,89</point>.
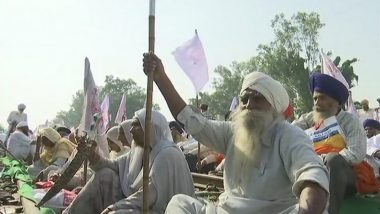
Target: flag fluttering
<point>122,111</point>
<point>91,107</point>
<point>192,59</point>
<point>329,68</point>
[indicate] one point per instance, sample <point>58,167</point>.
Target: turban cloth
<point>328,85</point>
<point>271,89</point>
<point>372,124</point>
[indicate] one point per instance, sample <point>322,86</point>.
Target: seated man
<point>372,128</point>
<point>270,165</point>
<point>329,95</point>
<point>115,145</point>
<point>20,144</point>
<point>117,185</point>
<point>55,153</point>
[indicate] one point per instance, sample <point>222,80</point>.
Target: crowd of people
<point>270,162</point>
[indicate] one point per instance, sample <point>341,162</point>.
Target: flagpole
<point>199,145</point>
<point>148,117</point>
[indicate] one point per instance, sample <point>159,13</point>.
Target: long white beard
<point>249,127</point>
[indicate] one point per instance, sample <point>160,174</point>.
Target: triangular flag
<point>122,111</point>
<point>191,58</point>
<point>329,68</point>
<point>91,108</point>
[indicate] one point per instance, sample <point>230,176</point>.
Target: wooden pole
<point>148,117</point>
<point>199,145</point>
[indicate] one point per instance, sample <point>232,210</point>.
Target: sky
<point>43,43</point>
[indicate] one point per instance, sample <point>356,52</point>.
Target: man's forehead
<point>251,91</point>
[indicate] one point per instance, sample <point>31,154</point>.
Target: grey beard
<point>249,127</point>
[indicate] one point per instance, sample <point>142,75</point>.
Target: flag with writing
<point>192,59</point>
<point>91,107</point>
<point>122,111</point>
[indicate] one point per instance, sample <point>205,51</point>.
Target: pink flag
<point>329,68</point>
<point>91,108</point>
<point>191,58</point>
<point>105,108</point>
<point>122,112</point>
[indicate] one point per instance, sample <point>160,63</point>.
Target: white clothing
<point>373,145</point>
<point>363,115</point>
<point>169,175</point>
<point>16,116</point>
<point>20,146</point>
<point>286,160</point>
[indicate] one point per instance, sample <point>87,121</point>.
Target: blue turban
<point>328,85</point>
<point>371,123</point>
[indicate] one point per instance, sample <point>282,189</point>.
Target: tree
<point>114,87</point>
<point>2,128</point>
<point>289,58</point>
<point>226,86</point>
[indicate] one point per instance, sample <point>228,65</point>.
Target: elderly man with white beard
<point>270,165</point>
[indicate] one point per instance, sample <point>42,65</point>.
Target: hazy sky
<point>43,43</point>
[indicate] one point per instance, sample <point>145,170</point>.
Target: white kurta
<point>20,146</point>
<point>16,116</point>
<point>373,145</point>
<point>272,186</point>
<point>169,175</point>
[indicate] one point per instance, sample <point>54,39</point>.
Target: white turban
<point>126,126</point>
<point>113,134</point>
<point>22,124</point>
<point>272,90</point>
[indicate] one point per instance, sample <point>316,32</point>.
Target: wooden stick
<point>199,145</point>
<point>148,116</point>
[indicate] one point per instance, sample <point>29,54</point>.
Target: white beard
<point>249,127</point>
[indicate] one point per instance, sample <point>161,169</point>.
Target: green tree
<point>2,128</point>
<point>226,86</point>
<point>72,117</point>
<point>115,88</point>
<point>292,55</point>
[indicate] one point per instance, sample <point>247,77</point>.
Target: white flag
<point>234,104</point>
<point>121,112</point>
<point>329,68</point>
<point>105,108</point>
<point>191,58</point>
<point>91,108</point>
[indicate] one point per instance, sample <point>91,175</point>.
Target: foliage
<point>115,88</point>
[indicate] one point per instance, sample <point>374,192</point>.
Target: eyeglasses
<point>253,95</point>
